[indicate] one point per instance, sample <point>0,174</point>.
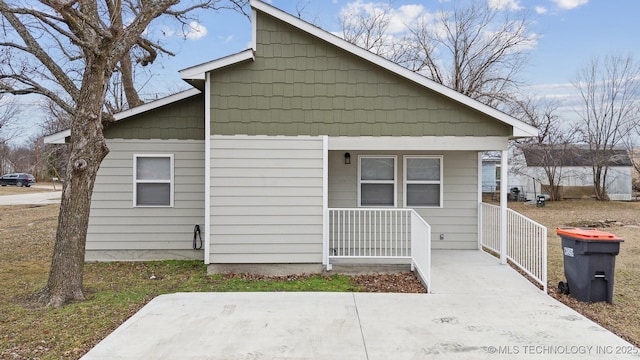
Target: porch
<point>402,236</point>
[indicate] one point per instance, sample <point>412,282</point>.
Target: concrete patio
<point>479,309</point>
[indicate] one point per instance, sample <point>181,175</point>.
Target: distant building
<point>574,174</point>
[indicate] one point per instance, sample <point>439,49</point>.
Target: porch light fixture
<point>347,158</point>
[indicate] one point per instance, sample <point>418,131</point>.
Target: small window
<point>377,181</point>
<point>153,180</point>
<point>423,181</point>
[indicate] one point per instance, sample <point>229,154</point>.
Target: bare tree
<point>68,51</point>
<point>22,157</point>
<point>476,50</point>
<point>9,112</point>
<point>368,27</point>
<point>550,148</point>
<point>609,90</point>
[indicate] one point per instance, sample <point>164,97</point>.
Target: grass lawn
<point>115,291</point>
<point>38,187</point>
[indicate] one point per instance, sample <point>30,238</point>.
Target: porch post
<point>207,170</point>
<point>503,206</point>
<point>480,200</point>
<point>325,202</point>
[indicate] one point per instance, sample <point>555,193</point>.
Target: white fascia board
<point>254,30</point>
<point>524,131</point>
<point>418,143</point>
<point>57,138</point>
<point>156,104</point>
<point>521,129</point>
<point>198,72</point>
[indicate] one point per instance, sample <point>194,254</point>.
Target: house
<point>296,151</point>
<point>573,171</point>
<point>490,172</point>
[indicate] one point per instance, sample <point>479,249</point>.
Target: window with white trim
<point>422,181</point>
<point>153,180</point>
<point>377,181</point>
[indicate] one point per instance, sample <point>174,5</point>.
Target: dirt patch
<point>395,283</point>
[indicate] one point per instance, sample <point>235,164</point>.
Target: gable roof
<point>573,156</point>
<point>60,137</point>
<point>196,74</point>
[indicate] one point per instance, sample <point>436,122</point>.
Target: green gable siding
<point>300,85</point>
<point>182,120</point>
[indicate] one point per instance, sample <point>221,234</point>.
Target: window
<point>377,180</point>
<point>423,181</point>
<point>153,180</point>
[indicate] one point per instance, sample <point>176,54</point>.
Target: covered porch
<point>437,206</point>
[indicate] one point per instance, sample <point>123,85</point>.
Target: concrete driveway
<point>36,198</point>
<point>479,310</point>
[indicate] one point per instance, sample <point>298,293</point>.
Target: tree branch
<point>34,48</point>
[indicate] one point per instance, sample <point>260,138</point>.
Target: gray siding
<point>301,85</point>
<point>266,199</point>
<point>457,219</point>
<point>119,231</point>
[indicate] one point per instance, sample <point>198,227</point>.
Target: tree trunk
<point>88,149</point>
<point>599,186</point>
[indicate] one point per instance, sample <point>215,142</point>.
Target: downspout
<point>503,206</point>
<point>207,169</point>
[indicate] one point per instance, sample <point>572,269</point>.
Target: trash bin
<point>589,263</point>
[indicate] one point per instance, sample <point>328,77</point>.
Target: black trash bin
<point>589,263</point>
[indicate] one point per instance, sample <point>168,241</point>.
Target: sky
<point>568,33</point>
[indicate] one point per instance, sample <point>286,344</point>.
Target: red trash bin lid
<point>587,234</point>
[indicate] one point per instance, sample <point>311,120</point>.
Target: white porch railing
<point>526,241</point>
<point>381,234</point>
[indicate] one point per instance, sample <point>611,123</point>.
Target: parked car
<point>18,179</point>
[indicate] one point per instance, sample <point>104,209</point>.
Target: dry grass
<point>623,316</point>
<point>14,190</point>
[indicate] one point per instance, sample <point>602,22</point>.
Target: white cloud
<point>569,4</point>
<point>541,10</point>
<point>195,31</point>
<point>512,5</point>
<point>405,14</point>
<point>398,17</point>
<point>226,39</point>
